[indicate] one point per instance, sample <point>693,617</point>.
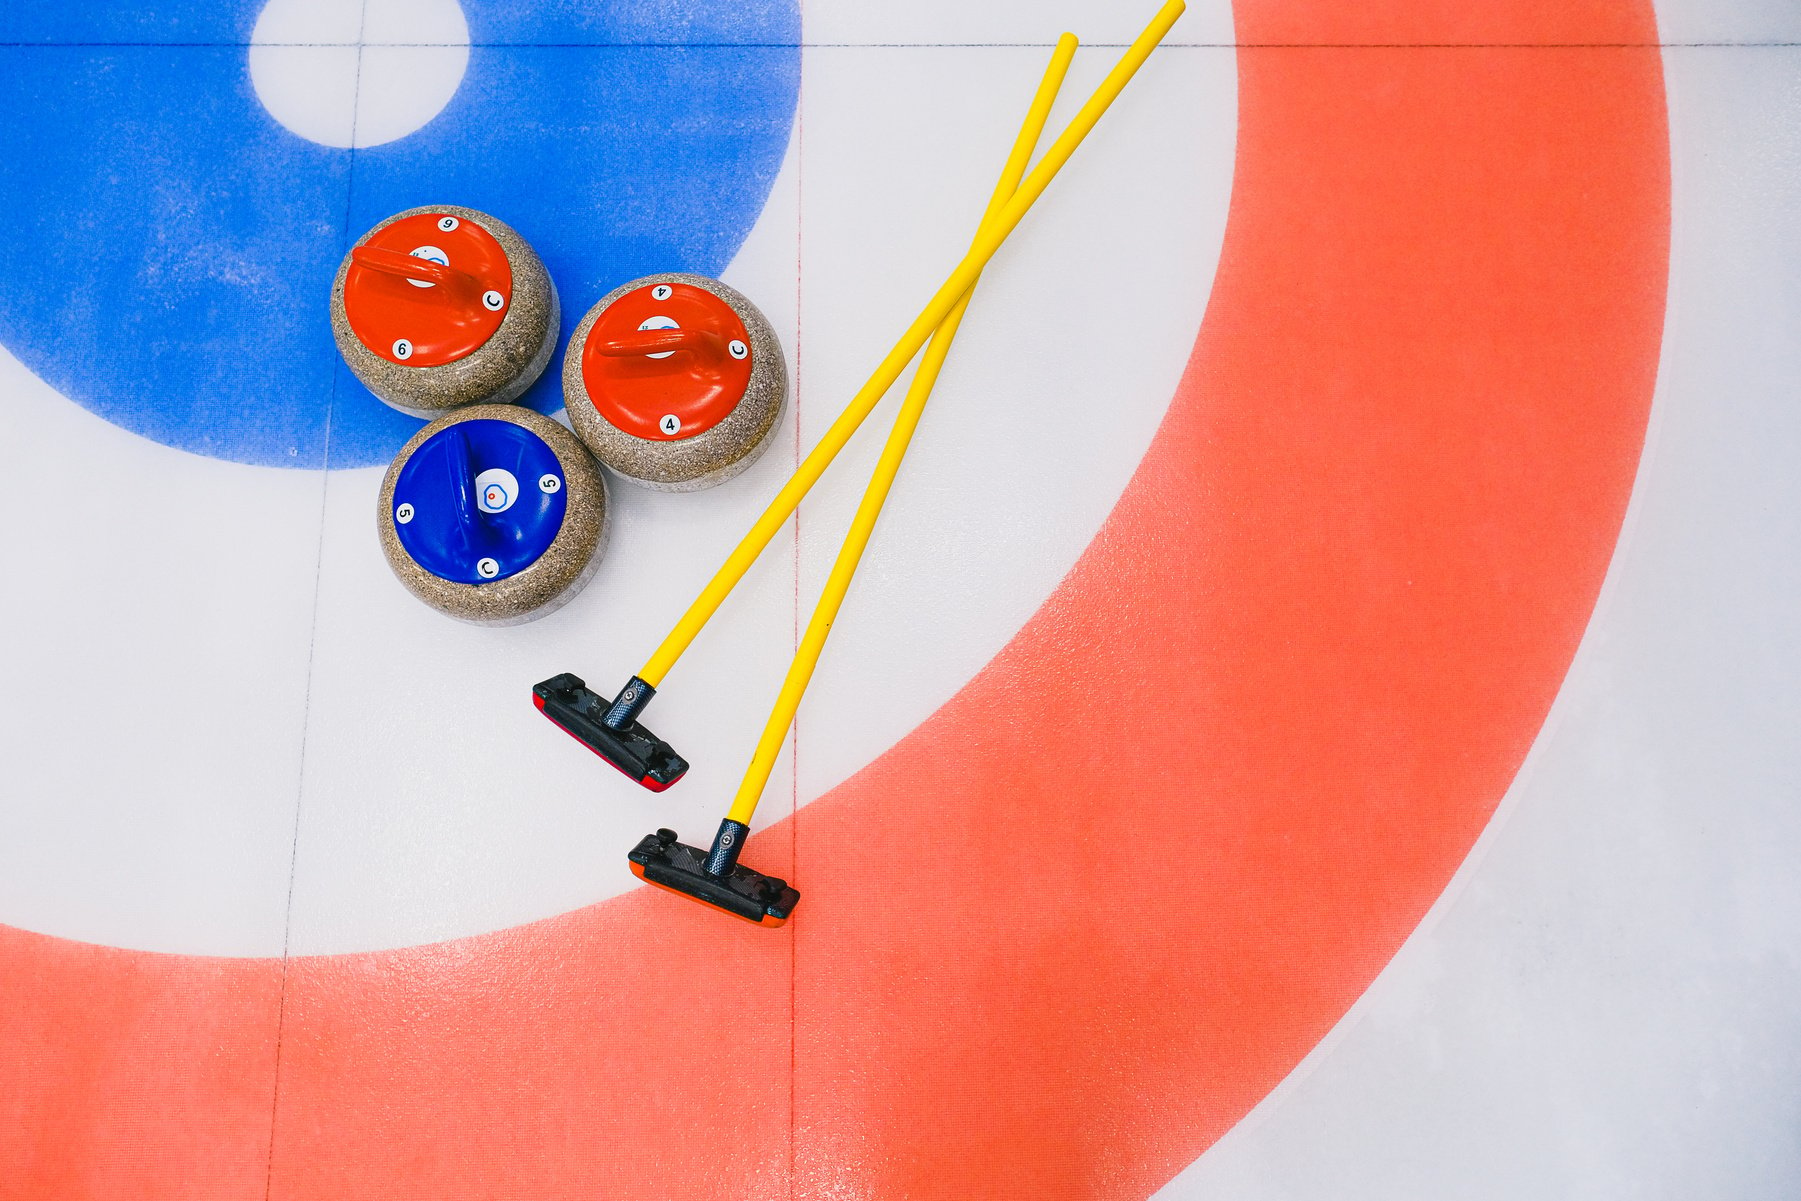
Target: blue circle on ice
<point>442,518</point>
<point>172,246</point>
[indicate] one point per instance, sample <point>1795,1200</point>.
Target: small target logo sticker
<point>403,348</point>
<point>487,569</point>
<point>737,348</point>
<point>493,300</point>
<point>403,514</point>
<point>431,254</point>
<point>548,484</point>
<point>447,224</point>
<point>662,292</point>
<point>659,322</point>
<point>671,424</point>
<point>495,490</point>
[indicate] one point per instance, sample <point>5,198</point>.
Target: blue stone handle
<point>462,477</point>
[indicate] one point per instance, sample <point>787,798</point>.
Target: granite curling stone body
<point>493,514</point>
<point>675,382</point>
<point>440,307</point>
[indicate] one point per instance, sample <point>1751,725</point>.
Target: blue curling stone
<point>479,501</point>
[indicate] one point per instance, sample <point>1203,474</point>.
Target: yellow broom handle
<point>988,240</point>
<point>819,627</point>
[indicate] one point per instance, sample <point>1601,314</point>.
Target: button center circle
<point>357,75</point>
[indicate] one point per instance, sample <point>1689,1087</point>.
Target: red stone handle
<point>392,262</point>
<point>703,342</point>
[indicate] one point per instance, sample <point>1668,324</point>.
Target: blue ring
<point>172,247</point>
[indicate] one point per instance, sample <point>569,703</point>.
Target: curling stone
<point>675,382</point>
<point>441,307</point>
<point>493,514</point>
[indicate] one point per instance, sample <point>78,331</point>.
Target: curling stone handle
<point>703,342</point>
<point>392,262</point>
<point>462,476</point>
